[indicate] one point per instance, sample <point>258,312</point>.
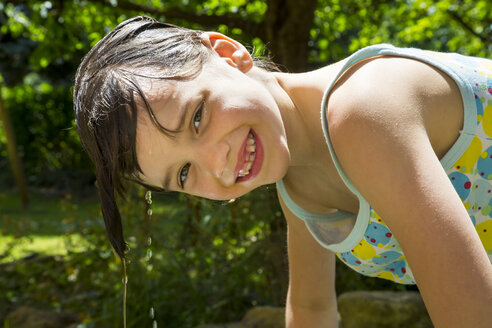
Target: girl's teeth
<point>247,166</point>
<point>251,148</point>
<point>251,139</point>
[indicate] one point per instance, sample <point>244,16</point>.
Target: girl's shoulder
<point>387,83</point>
<point>388,93</point>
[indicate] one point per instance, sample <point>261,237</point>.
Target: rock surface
<point>27,317</point>
<point>257,317</point>
<point>264,317</point>
<point>383,309</point>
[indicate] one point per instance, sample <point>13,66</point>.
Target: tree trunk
<point>288,23</point>
<point>15,160</point>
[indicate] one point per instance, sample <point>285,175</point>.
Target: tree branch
<point>467,27</point>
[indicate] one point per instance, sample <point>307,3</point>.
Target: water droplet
<point>151,312</point>
<point>149,253</point>
<point>149,212</point>
<point>125,280</point>
<point>149,241</point>
<point>154,324</point>
<point>148,197</point>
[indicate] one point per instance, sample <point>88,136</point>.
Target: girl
<point>392,175</point>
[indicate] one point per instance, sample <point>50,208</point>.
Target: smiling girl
<point>383,159</point>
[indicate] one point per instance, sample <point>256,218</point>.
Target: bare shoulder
<point>396,96</point>
<point>374,101</point>
<point>400,88</point>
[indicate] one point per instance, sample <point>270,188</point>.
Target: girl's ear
<point>231,51</point>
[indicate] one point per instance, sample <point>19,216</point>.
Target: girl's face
<point>231,140</point>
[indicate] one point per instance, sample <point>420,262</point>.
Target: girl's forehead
<point>156,89</point>
<point>168,101</point>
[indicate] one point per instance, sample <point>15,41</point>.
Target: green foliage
<point>210,261</point>
<point>48,142</point>
<point>206,262</point>
<point>342,27</point>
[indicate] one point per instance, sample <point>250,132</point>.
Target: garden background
<point>191,261</point>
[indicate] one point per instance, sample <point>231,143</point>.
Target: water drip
<point>148,216</point>
<point>148,198</point>
<point>151,312</point>
<point>125,283</point>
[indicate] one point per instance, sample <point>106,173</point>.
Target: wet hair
<point>105,96</point>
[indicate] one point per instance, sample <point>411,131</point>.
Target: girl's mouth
<point>250,158</point>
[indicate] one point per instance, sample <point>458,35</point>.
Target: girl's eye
<point>183,174</point>
<point>198,117</point>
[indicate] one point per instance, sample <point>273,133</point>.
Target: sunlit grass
<point>16,248</point>
<point>47,226</point>
<point>51,224</point>
<point>45,214</point>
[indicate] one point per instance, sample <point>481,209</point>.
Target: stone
<point>383,309</point>
<point>264,317</point>
<point>28,317</point>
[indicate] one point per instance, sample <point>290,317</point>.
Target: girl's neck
<point>311,172</point>
<point>299,97</point>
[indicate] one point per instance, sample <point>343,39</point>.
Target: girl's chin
<point>226,197</point>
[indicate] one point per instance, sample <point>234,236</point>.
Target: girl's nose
<point>214,158</point>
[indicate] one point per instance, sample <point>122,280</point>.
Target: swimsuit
<point>363,241</point>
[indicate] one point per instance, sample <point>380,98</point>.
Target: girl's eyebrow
<point>182,118</point>
<point>182,113</point>
<point>167,180</point>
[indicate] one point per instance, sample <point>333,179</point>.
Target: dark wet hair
<point>105,101</point>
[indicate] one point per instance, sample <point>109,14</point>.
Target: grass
<point>46,226</point>
<point>17,248</point>
<point>51,223</point>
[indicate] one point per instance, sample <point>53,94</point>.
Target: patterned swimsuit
<point>368,246</point>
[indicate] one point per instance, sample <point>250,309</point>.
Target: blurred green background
<point>192,261</point>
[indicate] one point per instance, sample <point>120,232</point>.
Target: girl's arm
<point>380,138</point>
<point>311,300</point>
